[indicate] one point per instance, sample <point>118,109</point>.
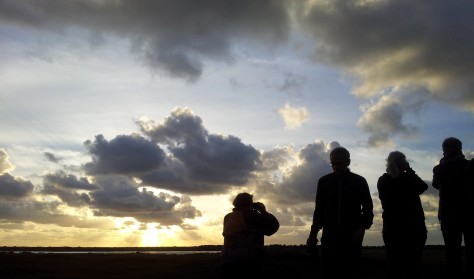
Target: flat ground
<point>282,262</point>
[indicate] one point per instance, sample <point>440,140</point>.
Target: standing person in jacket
<point>343,210</point>
<point>244,230</point>
<point>404,230</point>
<point>453,178</point>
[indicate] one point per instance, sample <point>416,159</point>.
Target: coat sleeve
<point>271,224</point>
<point>318,209</point>
<point>436,177</point>
<point>419,186</point>
<point>367,206</point>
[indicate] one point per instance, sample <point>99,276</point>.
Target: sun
<point>151,237</point>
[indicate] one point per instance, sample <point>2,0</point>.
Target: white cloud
<point>293,117</point>
<point>5,165</point>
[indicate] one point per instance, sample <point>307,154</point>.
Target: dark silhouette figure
<point>404,231</point>
<point>343,210</point>
<point>453,178</point>
<point>244,230</point>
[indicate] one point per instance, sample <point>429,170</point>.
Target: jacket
<point>452,178</point>
<point>401,202</point>
<point>244,231</point>
<point>343,203</point>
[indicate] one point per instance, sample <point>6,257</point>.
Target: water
<point>113,252</point>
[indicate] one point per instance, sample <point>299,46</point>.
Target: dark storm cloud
<point>70,189</point>
<point>123,155</point>
<point>71,198</point>
<point>398,44</point>
<point>67,187</point>
<point>429,38</point>
<point>69,181</point>
<point>120,197</point>
<point>11,187</point>
<point>171,36</point>
<point>217,161</point>
<point>173,175</point>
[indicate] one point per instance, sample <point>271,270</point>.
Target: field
<point>282,261</point>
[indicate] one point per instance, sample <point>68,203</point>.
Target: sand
<point>281,262</point>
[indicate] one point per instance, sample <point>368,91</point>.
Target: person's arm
<point>437,173</point>
<point>367,206</point>
<point>419,186</point>
<point>318,213</point>
<point>380,188</point>
<point>270,224</point>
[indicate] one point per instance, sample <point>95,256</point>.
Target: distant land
<point>109,249</point>
<point>274,247</point>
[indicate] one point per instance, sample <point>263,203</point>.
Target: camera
<point>258,206</point>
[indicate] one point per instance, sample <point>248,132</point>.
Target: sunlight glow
<point>151,236</point>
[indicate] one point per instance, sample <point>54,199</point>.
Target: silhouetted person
<point>404,230</point>
<point>244,230</point>
<point>343,210</point>
<point>453,178</point>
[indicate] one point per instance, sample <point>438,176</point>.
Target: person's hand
<point>259,207</point>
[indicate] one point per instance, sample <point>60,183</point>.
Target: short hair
<point>398,158</point>
<point>341,151</point>
<point>243,200</point>
<point>453,144</point>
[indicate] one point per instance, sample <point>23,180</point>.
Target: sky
<point>135,123</point>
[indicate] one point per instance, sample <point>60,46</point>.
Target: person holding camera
<point>244,230</point>
<point>404,231</point>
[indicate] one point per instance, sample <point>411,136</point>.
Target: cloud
<point>5,165</point>
<point>45,213</point>
<point>292,84</point>
<point>51,157</point>
<point>293,117</point>
<point>70,189</point>
<point>71,198</point>
<point>397,44</point>
<point>389,43</point>
<point>172,37</point>
<point>120,197</point>
<point>122,155</point>
<point>11,187</point>
<point>69,181</point>
<point>299,183</point>
<point>208,163</point>
<point>384,119</point>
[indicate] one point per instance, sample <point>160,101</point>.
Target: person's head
<point>452,147</point>
<point>396,163</point>
<point>340,159</point>
<point>243,200</point>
